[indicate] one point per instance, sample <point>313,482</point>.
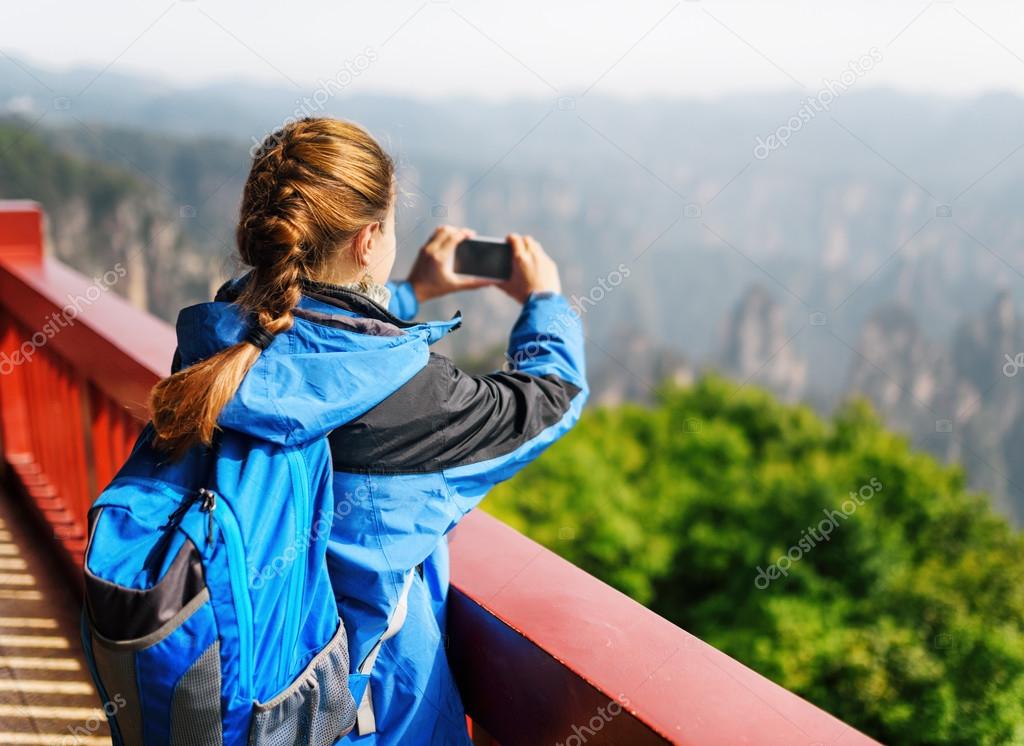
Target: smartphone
<point>484,257</point>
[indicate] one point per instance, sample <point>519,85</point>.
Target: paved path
<point>46,696</point>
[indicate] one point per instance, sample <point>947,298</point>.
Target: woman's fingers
<point>433,273</point>
<point>453,239</point>
<point>532,245</point>
<point>445,239</point>
<point>518,244</point>
<point>441,239</point>
<point>532,269</point>
<point>435,238</point>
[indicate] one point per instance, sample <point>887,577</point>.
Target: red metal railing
<point>544,653</point>
<point>76,364</point>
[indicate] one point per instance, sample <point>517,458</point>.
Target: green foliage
<point>906,621</point>
<point>85,194</point>
<point>31,169</point>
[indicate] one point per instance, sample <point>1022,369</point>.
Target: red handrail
<point>544,652</point>
<point>76,365</point>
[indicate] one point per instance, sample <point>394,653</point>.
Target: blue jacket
<point>415,444</point>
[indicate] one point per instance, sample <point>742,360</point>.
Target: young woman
<point>415,442</point>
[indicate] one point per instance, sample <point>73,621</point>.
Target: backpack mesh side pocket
<point>195,704</point>
<point>316,709</point>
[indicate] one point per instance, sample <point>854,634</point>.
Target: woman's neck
<point>366,286</point>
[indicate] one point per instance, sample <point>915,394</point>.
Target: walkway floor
<point>46,696</point>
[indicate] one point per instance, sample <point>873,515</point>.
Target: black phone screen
<point>484,257</point>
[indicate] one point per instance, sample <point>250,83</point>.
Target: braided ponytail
<point>313,185</point>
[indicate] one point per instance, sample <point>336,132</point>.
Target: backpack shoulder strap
<point>365,720</point>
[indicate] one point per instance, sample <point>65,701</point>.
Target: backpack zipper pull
<point>175,517</point>
<point>209,504</point>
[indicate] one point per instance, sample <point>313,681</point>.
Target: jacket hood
<point>332,366</point>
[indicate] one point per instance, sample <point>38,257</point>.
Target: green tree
<point>905,621</point>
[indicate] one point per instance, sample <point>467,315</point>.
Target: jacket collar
<point>321,298</point>
<point>352,301</point>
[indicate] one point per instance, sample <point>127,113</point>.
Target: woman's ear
<point>362,244</point>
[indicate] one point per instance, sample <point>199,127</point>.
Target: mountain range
<point>879,252</point>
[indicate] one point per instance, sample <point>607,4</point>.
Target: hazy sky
<point>534,47</point>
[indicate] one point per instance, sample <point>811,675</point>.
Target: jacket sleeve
<point>404,303</point>
<point>477,430</point>
<point>515,415</point>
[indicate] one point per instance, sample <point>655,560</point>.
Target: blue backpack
<point>209,616</point>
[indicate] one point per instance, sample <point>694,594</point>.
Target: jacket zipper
<point>300,490</point>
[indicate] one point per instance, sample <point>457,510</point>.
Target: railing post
<point>21,230</point>
<point>21,239</point>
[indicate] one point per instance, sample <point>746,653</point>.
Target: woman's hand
<point>433,273</point>
<point>533,271</point>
